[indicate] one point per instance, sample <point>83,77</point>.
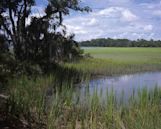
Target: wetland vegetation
<point>42,100</point>
<point>111,61</point>
<point>67,109</point>
<point>47,81</point>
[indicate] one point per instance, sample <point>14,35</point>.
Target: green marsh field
<point>111,61</point>
<point>51,102</point>
<point>80,64</point>
<point>137,55</point>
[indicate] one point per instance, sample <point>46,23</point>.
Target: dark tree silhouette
<point>102,42</point>
<point>38,41</point>
<point>13,16</point>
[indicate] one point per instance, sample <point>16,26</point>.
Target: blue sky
<point>132,19</point>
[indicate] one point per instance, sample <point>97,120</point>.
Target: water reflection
<point>126,84</point>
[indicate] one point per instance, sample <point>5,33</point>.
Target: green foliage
<point>120,43</point>
<point>112,61</point>
<point>39,46</point>
<point>44,40</point>
<point>6,61</point>
<point>69,109</point>
<point>5,67</point>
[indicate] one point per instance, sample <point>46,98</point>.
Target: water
<point>122,86</point>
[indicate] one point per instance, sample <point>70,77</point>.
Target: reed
<point>112,61</point>
<point>70,109</point>
<point>53,101</point>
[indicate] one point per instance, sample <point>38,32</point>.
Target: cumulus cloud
<point>157,12</point>
<point>128,15</point>
<point>76,29</point>
<point>109,12</point>
<point>117,20</point>
<point>148,28</point>
<point>118,12</point>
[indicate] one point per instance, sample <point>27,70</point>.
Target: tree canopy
<point>102,42</point>
<point>39,40</point>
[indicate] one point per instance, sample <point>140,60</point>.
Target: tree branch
<point>18,19</point>
<point>5,26</point>
<point>7,30</point>
<point>12,21</point>
<point>24,15</point>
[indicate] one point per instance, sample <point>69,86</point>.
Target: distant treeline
<point>120,43</point>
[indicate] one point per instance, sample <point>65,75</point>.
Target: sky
<point>131,19</point>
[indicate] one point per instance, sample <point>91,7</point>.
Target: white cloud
<point>114,22</point>
<point>157,12</point>
<point>93,21</point>
<point>128,15</point>
<point>76,29</point>
<point>119,12</point>
<point>89,21</point>
<point>148,28</point>
<point>112,11</point>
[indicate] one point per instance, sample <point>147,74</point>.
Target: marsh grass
<point>110,68</point>
<point>67,109</point>
<point>114,61</point>
<point>52,102</point>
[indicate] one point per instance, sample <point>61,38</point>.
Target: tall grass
<point>69,110</point>
<point>110,67</point>
<point>111,61</point>
<point>52,102</point>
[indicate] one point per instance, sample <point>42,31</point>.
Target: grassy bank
<point>51,102</point>
<point>65,110</point>
<point>111,61</point>
<point>141,55</point>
